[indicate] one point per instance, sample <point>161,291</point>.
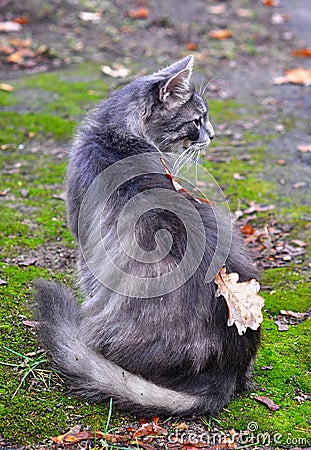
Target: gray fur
<point>153,354</point>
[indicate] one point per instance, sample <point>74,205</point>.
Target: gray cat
<point>151,332</point>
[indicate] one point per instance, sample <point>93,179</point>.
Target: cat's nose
<point>210,130</point>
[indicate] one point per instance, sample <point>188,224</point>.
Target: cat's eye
<point>198,122</point>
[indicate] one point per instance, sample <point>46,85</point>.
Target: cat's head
<point>176,117</point>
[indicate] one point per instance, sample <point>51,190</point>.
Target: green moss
<point>17,127</point>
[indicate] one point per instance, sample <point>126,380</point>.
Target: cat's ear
<point>178,84</point>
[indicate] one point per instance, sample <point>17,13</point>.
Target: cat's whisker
<point>207,85</point>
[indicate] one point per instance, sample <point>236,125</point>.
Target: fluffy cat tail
<point>89,374</point>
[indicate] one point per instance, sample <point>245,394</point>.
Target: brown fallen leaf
<point>19,55</point>
<point>217,9</point>
<point>269,2</point>
<point>116,71</point>
<point>31,323</point>
<point>192,46</point>
<point>278,18</point>
<point>266,368</point>
<point>299,75</point>
<point>74,435</point>
<point>244,303</point>
<point>6,87</point>
<point>247,229</point>
<point>88,16</point>
<point>294,314</point>
<point>22,20</point>
<point>304,148</point>
<point>10,26</point>
<point>299,242</point>
<point>281,326</point>
<point>150,429</point>
<point>268,402</point>
<point>27,262</point>
<point>220,34</point>
<point>302,52</point>
<point>140,13</point>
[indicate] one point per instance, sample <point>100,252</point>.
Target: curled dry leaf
<point>281,325</point>
<point>140,13</point>
<point>192,46</point>
<point>217,9</point>
<point>268,402</point>
<point>10,27</point>
<point>302,52</point>
<point>247,229</point>
<point>244,303</point>
<point>116,71</point>
<point>299,75</point>
<point>304,148</point>
<point>88,16</point>
<point>6,87</point>
<point>220,34</point>
<point>269,2</point>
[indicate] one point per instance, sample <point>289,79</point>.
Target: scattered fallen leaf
<point>244,303</point>
<point>220,34</point>
<point>61,196</point>
<point>299,185</point>
<point>247,229</point>
<point>87,16</point>
<point>299,75</point>
<point>299,242</point>
<point>302,52</point>
<point>238,176</point>
<point>150,429</point>
<point>6,87</point>
<point>116,71</point>
<point>269,2</point>
<point>20,42</point>
<point>281,162</point>
<point>304,148</point>
<point>31,323</point>
<point>19,55</point>
<point>3,282</point>
<point>140,13</point>
<point>10,27</point>
<point>27,262</point>
<point>266,367</point>
<point>294,314</point>
<point>268,402</point>
<point>22,20</point>
<point>278,18</point>
<point>4,192</point>
<point>281,326</point>
<point>192,46</point>
<point>24,193</point>
<point>254,207</point>
<point>242,12</point>
<point>217,9</point>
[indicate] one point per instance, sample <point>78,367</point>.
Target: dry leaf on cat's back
<point>242,298</point>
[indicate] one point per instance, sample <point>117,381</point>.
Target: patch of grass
<point>290,361</point>
<point>18,127</point>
